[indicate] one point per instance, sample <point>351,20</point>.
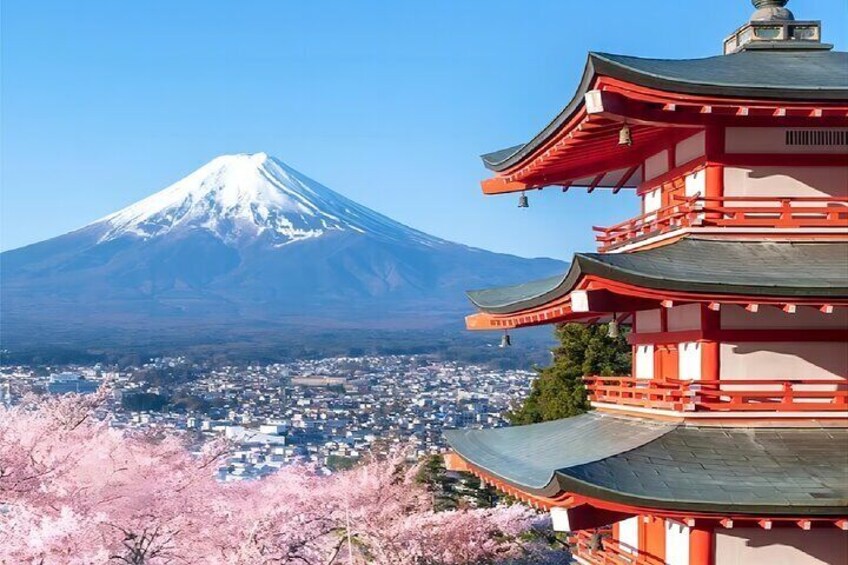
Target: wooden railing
<point>665,219</point>
<point>764,211</point>
<point>727,395</point>
<point>729,211</point>
<point>599,548</point>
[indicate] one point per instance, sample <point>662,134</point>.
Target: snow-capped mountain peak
<point>243,196</point>
<point>243,252</point>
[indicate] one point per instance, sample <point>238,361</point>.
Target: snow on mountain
<point>248,195</point>
<point>244,242</point>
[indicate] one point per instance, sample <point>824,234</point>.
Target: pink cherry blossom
<point>74,491</point>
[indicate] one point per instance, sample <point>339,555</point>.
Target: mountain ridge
<point>245,241</point>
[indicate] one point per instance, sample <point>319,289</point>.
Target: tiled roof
<point>781,74</point>
<point>768,471</point>
<point>751,470</point>
<point>750,268</point>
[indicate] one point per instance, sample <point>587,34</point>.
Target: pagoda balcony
<point>689,397</point>
<point>746,212</point>
<point>597,547</point>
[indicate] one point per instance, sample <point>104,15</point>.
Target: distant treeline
<point>531,347</point>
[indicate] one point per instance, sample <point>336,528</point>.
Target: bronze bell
<point>612,328</point>
<point>505,341</point>
<point>624,137</point>
<point>523,202</point>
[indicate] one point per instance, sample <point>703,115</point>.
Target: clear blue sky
<point>387,102</point>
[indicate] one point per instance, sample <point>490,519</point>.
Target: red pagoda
<point>728,443</point>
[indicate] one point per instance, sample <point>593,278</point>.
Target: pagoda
<point>728,443</point>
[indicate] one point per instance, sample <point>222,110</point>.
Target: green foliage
<point>558,392</point>
<point>340,463</point>
<point>452,491</point>
<point>182,402</point>
<point>143,402</point>
<point>481,495</point>
<point>434,477</point>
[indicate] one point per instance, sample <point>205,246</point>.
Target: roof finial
<point>772,27</point>
<point>771,10</point>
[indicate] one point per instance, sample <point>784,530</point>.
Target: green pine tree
<point>451,491</point>
<point>433,476</point>
<point>558,391</point>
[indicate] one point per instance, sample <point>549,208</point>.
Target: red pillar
<point>710,361</point>
<point>701,546</point>
<point>714,181</point>
<point>710,346</point>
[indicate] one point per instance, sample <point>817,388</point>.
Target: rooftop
<point>779,74</point>
<point>675,467</point>
<point>750,268</point>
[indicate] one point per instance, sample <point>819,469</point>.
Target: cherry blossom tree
<point>74,491</point>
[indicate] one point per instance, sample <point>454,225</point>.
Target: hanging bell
<point>505,340</point>
<point>612,327</point>
<point>523,202</point>
<point>624,137</point>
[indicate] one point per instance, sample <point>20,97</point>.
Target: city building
<point>727,443</point>
<point>274,418</point>
<point>65,382</point>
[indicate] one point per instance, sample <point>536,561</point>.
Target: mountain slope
<point>243,242</point>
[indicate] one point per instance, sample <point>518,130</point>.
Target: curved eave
<point>615,66</point>
<point>578,488</point>
<point>626,464</point>
<point>504,159</point>
<point>563,491</point>
<point>656,74</point>
<point>794,271</point>
<point>522,456</point>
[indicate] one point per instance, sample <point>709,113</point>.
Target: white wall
<point>689,361</point>
<point>735,317</point>
<point>648,321</point>
<point>690,148</point>
<point>644,362</point>
<point>560,520</point>
<point>784,360</point>
<point>790,546</point>
<point>676,543</point>
<point>773,140</point>
<point>695,183</point>
<point>781,181</point>
<point>628,532</point>
<point>655,165</point>
<point>652,201</point>
<point>684,317</point>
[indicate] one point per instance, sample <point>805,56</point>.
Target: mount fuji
<point>244,243</point>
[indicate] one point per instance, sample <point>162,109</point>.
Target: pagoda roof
<point>748,268</point>
<point>641,463</point>
<point>525,455</point>
<point>791,75</point>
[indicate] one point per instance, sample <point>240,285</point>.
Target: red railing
<point>764,211</point>
<point>665,219</point>
<point>599,548</point>
<point>730,211</point>
<point>727,395</point>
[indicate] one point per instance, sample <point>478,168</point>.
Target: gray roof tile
<point>776,269</point>
<point>778,74</point>
<point>743,470</point>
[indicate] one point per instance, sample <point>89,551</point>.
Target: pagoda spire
<point>771,10</point>
<point>773,26</point>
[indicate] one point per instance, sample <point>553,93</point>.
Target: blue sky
<point>389,103</point>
